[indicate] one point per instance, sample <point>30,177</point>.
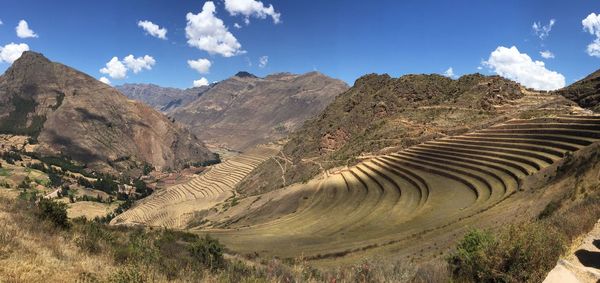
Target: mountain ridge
<point>74,115</point>
<point>244,110</point>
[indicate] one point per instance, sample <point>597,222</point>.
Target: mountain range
<point>244,110</point>
<point>161,98</point>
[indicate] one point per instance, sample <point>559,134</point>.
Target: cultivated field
<point>174,206</point>
<point>410,194</point>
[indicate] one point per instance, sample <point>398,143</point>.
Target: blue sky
<point>343,39</point>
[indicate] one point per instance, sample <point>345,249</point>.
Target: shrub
<point>55,212</point>
<point>139,249</point>
<point>208,252</point>
<point>55,180</point>
<point>128,274</point>
<point>549,210</point>
<point>522,253</point>
<point>147,168</point>
<point>91,236</point>
<point>468,261</point>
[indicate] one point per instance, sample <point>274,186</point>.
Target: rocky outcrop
<point>585,92</point>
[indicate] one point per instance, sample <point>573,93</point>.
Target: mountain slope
<point>245,110</point>
<point>585,92</point>
<point>73,115</point>
<point>161,98</point>
<point>381,114</point>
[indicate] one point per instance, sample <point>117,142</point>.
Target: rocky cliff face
<point>74,115</point>
<point>585,92</point>
<point>245,110</point>
<point>161,98</point>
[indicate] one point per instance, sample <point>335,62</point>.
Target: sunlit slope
<point>388,198</point>
<point>174,206</point>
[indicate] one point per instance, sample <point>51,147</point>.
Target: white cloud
<point>236,25</point>
<point>23,30</point>
<point>449,73</point>
<point>115,69</point>
<point>200,65</point>
<point>547,54</point>
<point>479,68</point>
<point>251,8</point>
<point>263,61</point>
<point>153,29</point>
<point>12,51</point>
<point>138,64</point>
<point>510,63</point>
<point>201,82</point>
<point>207,32</point>
<point>104,80</point>
<point>543,31</point>
<point>591,24</point>
<point>1,23</point>
<point>593,49</point>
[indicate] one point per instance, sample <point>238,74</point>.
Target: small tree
<point>55,212</point>
<point>208,252</point>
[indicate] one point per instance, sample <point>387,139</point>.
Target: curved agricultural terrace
<point>392,197</point>
<point>174,206</point>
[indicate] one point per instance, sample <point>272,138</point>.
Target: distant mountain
<point>74,115</point>
<point>161,98</point>
<point>245,110</point>
<point>585,92</point>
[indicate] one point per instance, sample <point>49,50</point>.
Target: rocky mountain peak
<point>75,116</point>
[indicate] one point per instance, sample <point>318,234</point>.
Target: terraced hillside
<point>174,206</point>
<point>389,199</point>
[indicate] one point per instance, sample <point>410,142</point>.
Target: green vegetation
<point>16,122</point>
<point>55,212</point>
<point>65,163</point>
<point>147,168</point>
<point>206,163</point>
<point>10,157</point>
<point>524,252</point>
<point>208,252</point>
<point>4,172</point>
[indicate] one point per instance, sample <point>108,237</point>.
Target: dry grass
<point>34,251</point>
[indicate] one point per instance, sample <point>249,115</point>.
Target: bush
<point>147,168</point>
<point>549,210</point>
<point>523,253</point>
<point>128,274</point>
<point>208,252</point>
<point>55,212</point>
<point>139,249</point>
<point>91,236</point>
<point>468,261</point>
